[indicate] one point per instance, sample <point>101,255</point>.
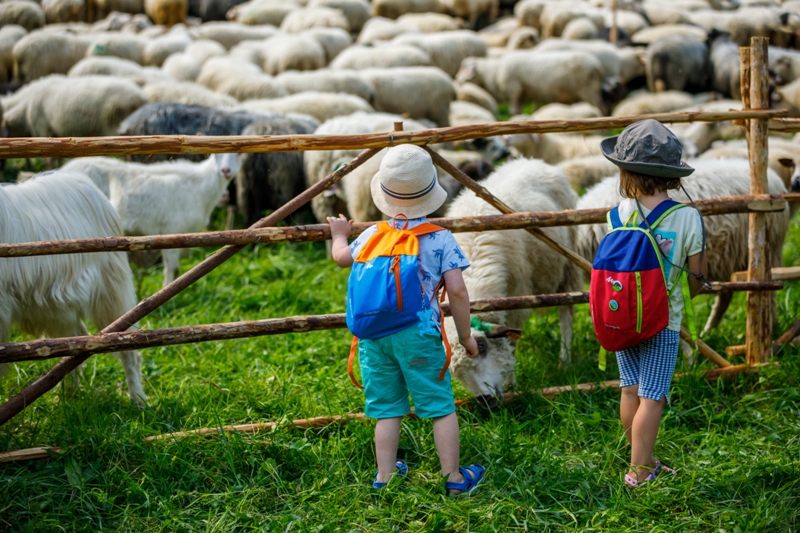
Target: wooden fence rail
<point>320,232</point>
<point>133,340</point>
<point>201,144</point>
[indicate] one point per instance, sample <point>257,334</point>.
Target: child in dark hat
<point>649,157</point>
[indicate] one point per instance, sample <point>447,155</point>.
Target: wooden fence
<point>74,351</point>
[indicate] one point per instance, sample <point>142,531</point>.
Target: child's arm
<point>340,250</point>
<point>695,266</point>
<point>459,307</point>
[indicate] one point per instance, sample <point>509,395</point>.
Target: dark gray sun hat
<point>649,148</point>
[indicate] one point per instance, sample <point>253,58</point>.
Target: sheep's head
<point>228,165</point>
<point>492,371</point>
<point>469,71</point>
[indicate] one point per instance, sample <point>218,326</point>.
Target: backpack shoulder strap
<point>660,212</point>
<point>613,219</point>
<point>425,228</point>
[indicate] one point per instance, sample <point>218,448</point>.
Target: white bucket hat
<point>406,183</point>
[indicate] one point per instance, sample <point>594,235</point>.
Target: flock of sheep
<point>269,67</point>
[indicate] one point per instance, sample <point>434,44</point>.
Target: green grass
<point>554,465</point>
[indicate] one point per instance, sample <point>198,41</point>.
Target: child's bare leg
<point>628,405</point>
<point>387,437</point>
<point>643,436</point>
<point>445,435</point>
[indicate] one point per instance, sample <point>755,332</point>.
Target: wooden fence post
<point>759,305</point>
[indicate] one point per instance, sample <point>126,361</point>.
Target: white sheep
<point>579,29</point>
<point>784,158</point>
<point>554,148</point>
<point>623,64</point>
<point>446,49</point>
<point>57,106</point>
<point>64,10</point>
<point>326,80</point>
<point>583,172</point>
<point>556,15</point>
<point>556,111</point>
<point>157,50</point>
<point>292,52</point>
<point>333,40</point>
<point>512,263</point>
<point>497,34</point>
<point>417,92</point>
<point>469,92</point>
<point>118,44</point>
<point>306,18</point>
<point>182,66</point>
<point>388,56</point>
<point>726,235</point>
<point>544,77</point>
<point>642,103</point>
<point>229,34</point>
<point>321,106</point>
<point>187,92</point>
<point>41,53</point>
<point>160,198</point>
<point>52,295</point>
<point>205,49</point>
<point>650,35</point>
<point>238,78</point>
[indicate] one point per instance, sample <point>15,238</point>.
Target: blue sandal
<point>473,474</point>
<point>402,470</point>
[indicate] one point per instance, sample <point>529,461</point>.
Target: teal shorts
<point>403,363</point>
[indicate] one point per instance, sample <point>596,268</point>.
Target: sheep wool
<point>188,93</point>
<point>23,13</point>
<point>321,106</point>
<point>326,80</point>
<point>513,263</point>
<point>52,295</point>
<point>446,49</point>
<point>43,53</point>
<point>394,56</point>
<point>9,35</point>
<point>421,92</point>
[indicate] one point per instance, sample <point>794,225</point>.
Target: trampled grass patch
<point>554,465</point>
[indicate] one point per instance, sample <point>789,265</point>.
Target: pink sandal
<point>633,482</point>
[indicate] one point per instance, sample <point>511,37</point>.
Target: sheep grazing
<point>417,92</point>
<point>321,106</point>
<point>446,49</point>
<point>554,148</point>
<point>621,64</point>
<point>125,45</point>
<point>566,112</point>
<point>678,63</point>
<point>52,295</point>
<point>270,179</point>
<point>57,106</point>
<point>512,263</point>
<point>542,77</point>
<point>23,13</point>
<point>726,235</point>
<point>387,56</point>
<point>326,80</point>
<point>292,52</point>
<point>643,103</point>
<point>239,79</point>
<point>166,12</point>
<point>172,197</point>
<point>384,29</point>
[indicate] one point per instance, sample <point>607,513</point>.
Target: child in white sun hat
<point>411,361</point>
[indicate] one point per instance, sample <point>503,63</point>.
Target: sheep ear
<point>786,162</point>
<point>497,331</point>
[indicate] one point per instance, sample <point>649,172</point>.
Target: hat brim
<point>416,208</point>
<point>608,146</point>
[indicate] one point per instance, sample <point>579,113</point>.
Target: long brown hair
<point>632,183</point>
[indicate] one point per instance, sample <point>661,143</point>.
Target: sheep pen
<point>245,480</point>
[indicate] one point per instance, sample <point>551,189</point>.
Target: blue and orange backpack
<point>384,291</point>
<point>628,294</point>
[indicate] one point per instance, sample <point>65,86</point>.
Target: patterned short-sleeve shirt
<point>438,253</point>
